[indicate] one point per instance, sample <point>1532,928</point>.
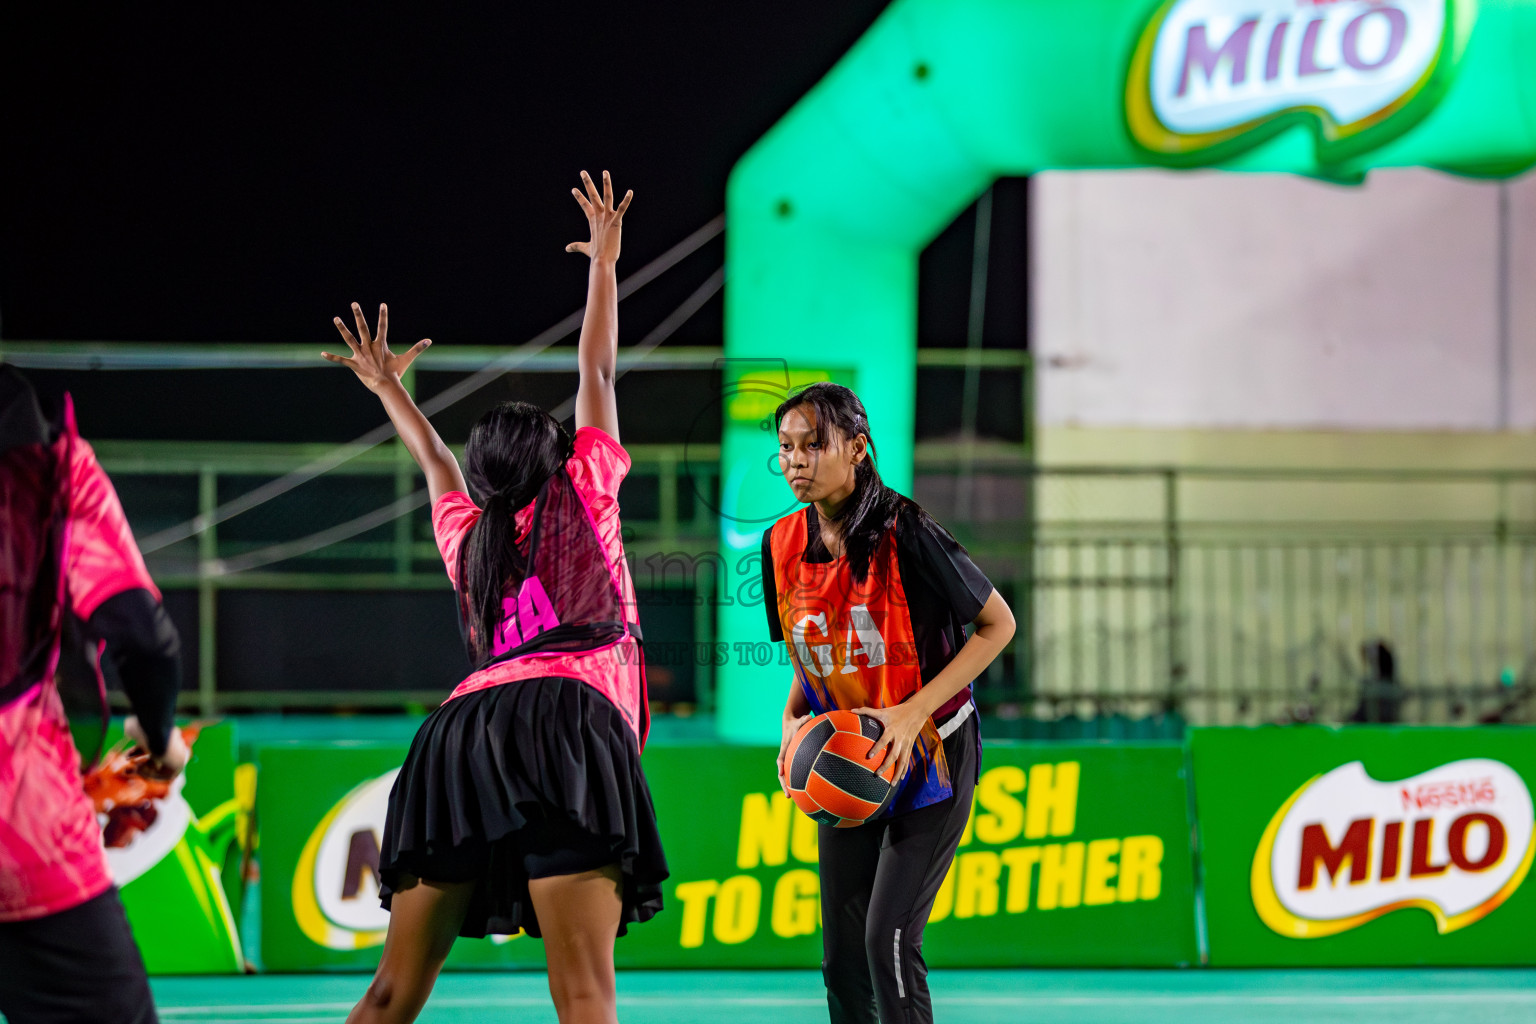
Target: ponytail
<point>512,452</point>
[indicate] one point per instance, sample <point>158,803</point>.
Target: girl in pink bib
<point>521,805</point>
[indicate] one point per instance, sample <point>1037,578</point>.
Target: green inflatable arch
<point>828,212</point>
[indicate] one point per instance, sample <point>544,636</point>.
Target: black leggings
<point>878,883</point>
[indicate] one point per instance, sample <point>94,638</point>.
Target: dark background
<point>188,174</point>
<point>213,174</point>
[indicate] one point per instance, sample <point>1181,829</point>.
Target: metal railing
<point>1145,589</point>
<point>338,534</point>
<point>396,556</point>
<point>1245,595</point>
<point>1221,595</point>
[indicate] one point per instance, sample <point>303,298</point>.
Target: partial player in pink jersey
<point>521,804</point>
<point>66,550</point>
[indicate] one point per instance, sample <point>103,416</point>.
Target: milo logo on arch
<point>1455,841</point>
<point>1212,78</point>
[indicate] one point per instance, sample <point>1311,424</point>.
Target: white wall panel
<point>1214,300</point>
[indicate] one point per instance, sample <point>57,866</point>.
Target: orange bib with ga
<point>852,644</point>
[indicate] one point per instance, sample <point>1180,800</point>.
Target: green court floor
<point>961,997</point>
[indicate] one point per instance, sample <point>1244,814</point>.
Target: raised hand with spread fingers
<point>372,361</point>
<point>380,370</point>
<point>597,354</point>
<point>605,220</point>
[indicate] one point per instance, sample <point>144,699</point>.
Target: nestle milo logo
<point>1455,841</point>
<point>336,882</point>
<point>1212,78</point>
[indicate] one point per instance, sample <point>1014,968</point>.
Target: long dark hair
<point>512,451</point>
<point>873,509</point>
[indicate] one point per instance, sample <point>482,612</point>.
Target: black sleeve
<point>945,566</point>
<point>146,652</point>
<point>771,590</point>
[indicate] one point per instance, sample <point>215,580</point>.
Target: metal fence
<point>1219,595</point>
<point>285,542</point>
<point>1245,595</point>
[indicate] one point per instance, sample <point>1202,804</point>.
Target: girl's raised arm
<point>379,369</point>
<point>597,354</point>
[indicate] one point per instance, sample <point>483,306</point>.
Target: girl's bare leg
<point>579,915</point>
<point>424,919</point>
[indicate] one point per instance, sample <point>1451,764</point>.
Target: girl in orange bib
<point>873,598</point>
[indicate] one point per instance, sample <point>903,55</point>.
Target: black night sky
<point>181,173</point>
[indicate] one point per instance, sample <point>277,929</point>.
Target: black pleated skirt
<point>537,775</point>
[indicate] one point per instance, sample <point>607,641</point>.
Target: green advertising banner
<point>180,876</point>
<point>1367,846</point>
<point>321,808</point>
<point>1075,854</point>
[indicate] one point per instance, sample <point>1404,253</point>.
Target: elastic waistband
<point>948,727</point>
